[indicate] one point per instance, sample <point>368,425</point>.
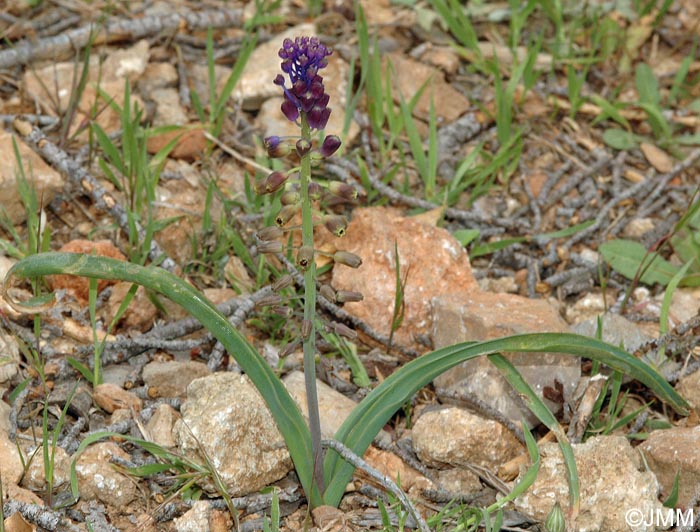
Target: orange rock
<point>190,145</point>
<point>78,287</point>
<point>111,397</point>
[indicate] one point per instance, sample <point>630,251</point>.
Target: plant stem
<point>307,236</point>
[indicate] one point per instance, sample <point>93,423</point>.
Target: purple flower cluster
<point>302,58</point>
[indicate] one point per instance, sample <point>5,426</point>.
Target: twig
<point>39,515</point>
<point>383,480</point>
<point>102,198</point>
<point>116,30</point>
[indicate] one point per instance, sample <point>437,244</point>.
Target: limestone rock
<point>35,479</point>
<point>98,479</point>
<point>672,451</point>
<point>689,387</point>
<point>171,379</point>
<point>226,417</point>
<point>432,261</point>
<point>612,478</point>
<point>202,518</point>
<point>409,76</point>
<point>333,406</point>
<point>616,329</point>
<point>110,397</point>
<point>141,312</point>
<point>160,426</point>
<point>485,316</point>
<point>9,358</point>
<point>453,436</point>
<point>458,480</point>
<point>46,181</point>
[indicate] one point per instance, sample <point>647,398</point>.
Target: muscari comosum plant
<point>324,480</point>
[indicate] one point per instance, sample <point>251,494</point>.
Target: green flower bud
<point>315,191</point>
<point>556,521</point>
<point>276,147</point>
<point>286,213</point>
<point>348,296</point>
<point>270,246</point>
<point>327,291</point>
<point>343,190</point>
<point>289,348</point>
<point>270,233</point>
<point>285,312</point>
<point>347,258</point>
<point>290,197</point>
<point>305,257</point>
<point>336,224</point>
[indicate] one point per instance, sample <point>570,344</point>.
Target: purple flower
<point>302,58</point>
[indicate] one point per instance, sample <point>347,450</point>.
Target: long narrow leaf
<point>283,408</point>
<point>376,409</point>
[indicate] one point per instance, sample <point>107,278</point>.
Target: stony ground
<point>509,239</point>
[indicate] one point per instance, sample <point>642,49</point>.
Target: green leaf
<point>629,258</point>
<point>375,410</point>
<point>620,139</point>
<point>283,408</point>
<point>647,85</point>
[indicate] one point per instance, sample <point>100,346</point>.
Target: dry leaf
<point>658,158</point>
<point>16,523</point>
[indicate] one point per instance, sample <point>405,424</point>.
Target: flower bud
<point>327,291</point>
<point>276,147</point>
<point>556,521</point>
<point>285,312</point>
<point>283,282</point>
<point>343,330</point>
<point>269,300</point>
<point>271,232</point>
<point>348,296</point>
<point>336,224</point>
<point>347,258</point>
<point>315,191</point>
<point>290,197</point>
<point>289,348</point>
<point>303,147</point>
<point>306,327</point>
<point>305,257</point>
<point>271,183</point>
<point>286,213</point>
<point>270,246</point>
<point>330,145</point>
<point>343,190</point>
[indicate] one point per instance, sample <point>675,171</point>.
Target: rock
<point>638,227</point>
<point>225,417</point>
<point>432,262</point>
<point>190,144</point>
<point>202,518</point>
<point>409,76</point>
<point>333,406</point>
<point>160,426</point>
<point>484,316</point>
<point>675,451</point>
<point>157,75</point>
<point>110,397</point>
<point>169,110</point>
<point>616,329</point>
<point>393,467</point>
<point>685,304</point>
<point>453,436</point>
<point>171,379</point>
<point>589,306</point>
<point>458,480</point>
<point>9,358</point>
<point>45,181</point>
<point>443,57</point>
<point>689,387</point>
<point>126,63</point>
<point>613,481</point>
<point>79,287</point>
<point>35,479</point>
<point>11,468</point>
<point>139,315</point>
<point>98,479</point>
